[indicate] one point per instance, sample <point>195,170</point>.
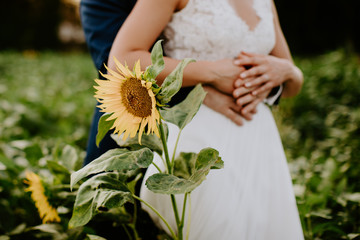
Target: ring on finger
<point>266,77</point>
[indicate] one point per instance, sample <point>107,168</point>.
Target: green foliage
<point>173,82</point>
<point>103,127</point>
<point>150,141</point>
<point>320,132</point>
<point>193,169</point>
<point>103,191</point>
<point>157,60</point>
<point>181,114</point>
<point>42,95</point>
<point>126,162</point>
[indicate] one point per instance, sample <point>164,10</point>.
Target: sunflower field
<point>46,106</point>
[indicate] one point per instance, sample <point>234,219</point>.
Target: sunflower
<point>130,100</point>
<point>46,211</point>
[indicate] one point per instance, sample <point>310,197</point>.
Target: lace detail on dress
<point>212,30</point>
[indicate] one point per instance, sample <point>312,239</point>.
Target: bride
<point>241,51</point>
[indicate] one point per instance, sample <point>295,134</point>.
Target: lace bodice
<point>212,30</point>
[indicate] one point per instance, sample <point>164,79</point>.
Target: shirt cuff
<point>273,99</point>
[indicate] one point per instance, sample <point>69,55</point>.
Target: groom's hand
<point>226,105</point>
<point>248,102</point>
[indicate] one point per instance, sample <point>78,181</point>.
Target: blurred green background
<point>46,104</point>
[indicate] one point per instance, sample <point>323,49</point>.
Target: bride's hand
<point>226,105</point>
<point>265,72</point>
<point>224,73</point>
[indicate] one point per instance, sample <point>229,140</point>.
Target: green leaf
<point>95,237</point>
<point>47,231</point>
<point>56,167</point>
<point>9,164</point>
<point>192,174</point>
<point>184,165</point>
<point>181,114</point>
<point>132,184</point>
<point>150,141</point>
<point>173,82</point>
<point>122,160</point>
<point>103,191</point>
<point>69,158</point>
<point>33,153</point>
<point>157,61</point>
<point>103,127</point>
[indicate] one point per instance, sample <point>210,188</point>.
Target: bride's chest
<point>214,24</point>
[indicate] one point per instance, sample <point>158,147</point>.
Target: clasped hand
<point>249,81</point>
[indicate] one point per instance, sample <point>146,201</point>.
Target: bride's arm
<point>272,70</point>
<point>141,29</point>
<point>295,79</point>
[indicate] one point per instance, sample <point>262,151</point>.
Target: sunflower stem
<point>157,213</point>
<point>181,225</point>
<point>169,168</point>
<point>174,152</point>
<point>189,219</point>
<point>133,225</point>
<point>162,159</point>
<point>164,143</point>
<point>157,167</point>
<point>127,232</point>
<point>176,212</point>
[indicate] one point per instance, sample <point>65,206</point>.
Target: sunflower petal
<point>137,69</point>
<point>113,78</point>
<point>114,73</point>
<point>123,69</point>
<point>141,129</point>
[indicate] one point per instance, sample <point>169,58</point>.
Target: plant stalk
<point>181,225</point>
<point>133,225</point>
<point>173,156</point>
<point>164,143</point>
<point>169,167</point>
<point>157,213</point>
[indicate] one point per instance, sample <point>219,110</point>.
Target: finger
<point>238,83</point>
<point>245,99</point>
<point>244,81</point>
<point>238,92</point>
<point>251,106</point>
<point>257,81</point>
<point>266,87</point>
<point>248,116</point>
<point>248,54</point>
<point>233,106</point>
<point>248,61</point>
<point>233,116</point>
<point>254,71</point>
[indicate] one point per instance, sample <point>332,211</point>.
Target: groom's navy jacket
<point>101,20</point>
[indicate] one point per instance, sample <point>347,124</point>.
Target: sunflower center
<point>136,98</point>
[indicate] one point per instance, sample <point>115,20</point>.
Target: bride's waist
<point>262,112</point>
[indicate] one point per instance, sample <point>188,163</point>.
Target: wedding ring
<point>266,77</point>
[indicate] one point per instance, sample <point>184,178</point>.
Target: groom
<point>101,20</point>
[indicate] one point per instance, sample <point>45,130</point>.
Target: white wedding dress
<point>251,198</point>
